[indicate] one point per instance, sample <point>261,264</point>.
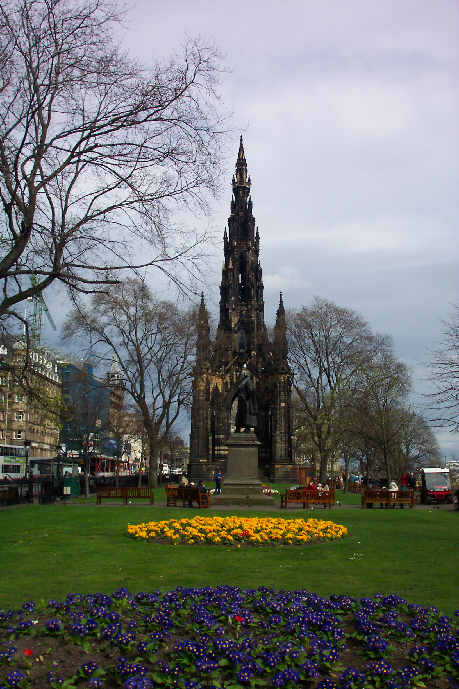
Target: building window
<point>19,398</point>
<point>17,435</point>
<point>19,416</point>
<point>11,468</point>
<point>3,380</point>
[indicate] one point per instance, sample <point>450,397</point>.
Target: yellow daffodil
<point>237,530</point>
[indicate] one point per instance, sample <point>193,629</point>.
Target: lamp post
<point>28,471</point>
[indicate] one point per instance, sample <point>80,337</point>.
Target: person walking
<point>218,483</point>
<point>412,480</point>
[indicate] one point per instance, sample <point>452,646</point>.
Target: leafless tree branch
<point>97,152</point>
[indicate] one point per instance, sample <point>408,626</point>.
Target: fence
<point>22,491</point>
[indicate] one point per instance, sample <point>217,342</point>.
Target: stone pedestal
<point>241,485</point>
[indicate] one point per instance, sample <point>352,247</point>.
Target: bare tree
<point>119,425</point>
<point>445,376</point>
<point>378,407</point>
<point>418,445</point>
<point>96,150</point>
<point>154,343</point>
<point>328,348</point>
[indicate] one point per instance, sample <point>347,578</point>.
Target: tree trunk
<point>117,472</point>
<point>386,452</point>
<point>323,466</point>
<point>86,475</point>
<point>153,466</point>
<point>347,460</point>
<point>386,462</point>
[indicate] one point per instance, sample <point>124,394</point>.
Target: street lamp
<point>28,470</point>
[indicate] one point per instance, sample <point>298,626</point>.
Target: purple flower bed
<point>226,638</point>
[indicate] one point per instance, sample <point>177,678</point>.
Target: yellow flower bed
<point>237,530</point>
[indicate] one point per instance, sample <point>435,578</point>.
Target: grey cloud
<point>350,114</point>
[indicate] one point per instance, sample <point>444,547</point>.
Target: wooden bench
<point>190,494</point>
<point>387,498</point>
<point>307,497</point>
<point>171,495</point>
<point>126,493</point>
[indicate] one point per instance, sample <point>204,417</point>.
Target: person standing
<point>218,483</point>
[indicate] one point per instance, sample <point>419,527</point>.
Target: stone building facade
<point>30,399</point>
<point>242,355</point>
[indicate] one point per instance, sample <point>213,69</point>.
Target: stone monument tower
<point>242,380</point>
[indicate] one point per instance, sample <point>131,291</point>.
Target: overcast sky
<point>349,112</point>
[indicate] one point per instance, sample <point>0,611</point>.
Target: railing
<point>21,491</point>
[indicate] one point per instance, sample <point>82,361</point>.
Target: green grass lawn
<point>48,551</point>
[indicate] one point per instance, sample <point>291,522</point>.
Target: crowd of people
<point>318,486</point>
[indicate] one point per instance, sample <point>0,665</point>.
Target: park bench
<point>387,498</point>
<point>125,493</point>
<point>308,497</point>
<point>187,494</point>
<point>171,495</point>
<point>190,494</point>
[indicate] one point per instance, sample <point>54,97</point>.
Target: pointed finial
<point>240,155</point>
<point>281,310</point>
<point>241,168</point>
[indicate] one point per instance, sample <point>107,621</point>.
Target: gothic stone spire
<point>241,289</point>
<point>203,340</point>
<point>241,179</point>
<point>280,346</point>
<point>241,348</point>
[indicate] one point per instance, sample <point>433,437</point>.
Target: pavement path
<point>262,508</point>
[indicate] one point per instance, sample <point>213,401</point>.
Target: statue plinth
<point>241,485</point>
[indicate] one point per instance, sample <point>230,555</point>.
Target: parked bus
<point>436,485</point>
<point>46,467</point>
<point>12,462</point>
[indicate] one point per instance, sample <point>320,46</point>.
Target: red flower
<point>28,652</point>
<point>245,533</point>
<point>238,618</point>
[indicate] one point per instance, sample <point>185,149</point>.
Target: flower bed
<point>269,491</point>
<point>225,638</point>
<point>237,530</point>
